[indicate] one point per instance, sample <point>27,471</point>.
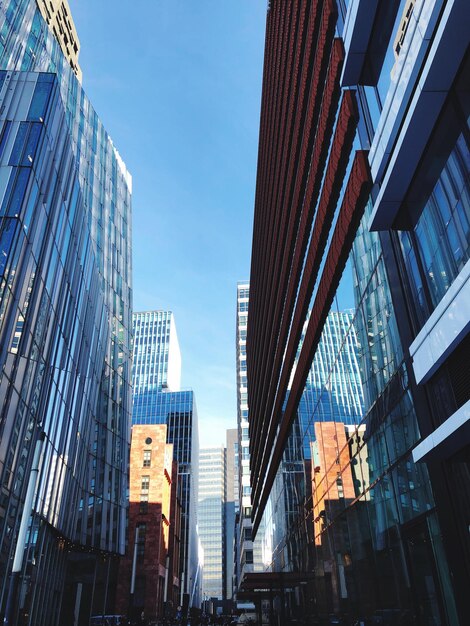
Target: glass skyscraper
<point>65,328</point>
<point>158,369</point>
<point>212,520</point>
<point>157,356</point>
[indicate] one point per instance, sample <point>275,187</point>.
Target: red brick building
<point>153,531</point>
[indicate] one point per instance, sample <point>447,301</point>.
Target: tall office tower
<point>157,356</point>
<point>157,372</point>
<point>364,126</point>
<point>211,519</point>
<point>65,333</point>
<point>249,553</point>
<point>231,508</point>
<point>149,571</point>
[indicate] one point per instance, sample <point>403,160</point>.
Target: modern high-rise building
<point>65,334</point>
<point>157,356</point>
<point>248,552</point>
<point>364,128</point>
<point>211,520</point>
<point>231,508</point>
<point>157,372</point>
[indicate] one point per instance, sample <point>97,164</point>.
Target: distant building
<point>149,573</point>
<point>157,356</point>
<point>249,554</point>
<point>231,508</point>
<point>157,400</point>
<point>212,520</point>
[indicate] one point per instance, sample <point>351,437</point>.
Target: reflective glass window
<point>4,135</point>
<point>42,92</point>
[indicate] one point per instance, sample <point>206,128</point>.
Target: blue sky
<point>177,84</point>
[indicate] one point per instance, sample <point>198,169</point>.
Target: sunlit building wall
<point>152,557</point>
<point>58,17</point>
<point>65,328</point>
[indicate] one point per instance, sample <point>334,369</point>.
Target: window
<point>145,483</point>
<point>249,556</point>
<point>42,91</point>
<point>144,504</point>
<point>147,458</point>
<point>4,135</point>
<point>140,540</point>
<point>15,192</point>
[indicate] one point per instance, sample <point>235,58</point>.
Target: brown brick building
<point>153,531</point>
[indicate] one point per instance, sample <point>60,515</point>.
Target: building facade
<point>177,409</point>
<point>212,520</point>
<point>58,17</point>
<point>65,331</point>
<point>248,552</point>
<point>363,129</point>
<point>232,504</point>
<point>157,356</point>
<point>148,574</point>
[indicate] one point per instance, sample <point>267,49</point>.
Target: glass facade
<point>437,247</point>
<point>65,331</point>
<point>212,520</point>
<point>333,391</point>
<point>375,528</point>
<point>331,406</point>
<point>157,357</point>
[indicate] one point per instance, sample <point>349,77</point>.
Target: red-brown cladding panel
<point>352,208</point>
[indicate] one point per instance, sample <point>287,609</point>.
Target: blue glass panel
<point>7,234</point>
<point>15,192</point>
<point>18,146</point>
<point>42,92</point>
<point>4,136</point>
<point>31,144</point>
<point>2,78</point>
